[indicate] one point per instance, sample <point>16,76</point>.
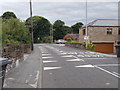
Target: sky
<point>70,12</point>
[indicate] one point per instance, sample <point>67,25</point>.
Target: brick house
<point>104,33</point>
<point>72,36</point>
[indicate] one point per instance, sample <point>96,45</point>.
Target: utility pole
<point>51,33</point>
<point>31,22</point>
<point>86,27</point>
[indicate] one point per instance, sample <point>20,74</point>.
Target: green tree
<point>67,30</point>
<point>60,30</point>
<point>41,28</point>
<point>76,27</point>
<point>58,27</point>
<point>15,31</point>
<point>8,15</point>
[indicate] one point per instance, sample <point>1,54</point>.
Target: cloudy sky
<point>69,12</point>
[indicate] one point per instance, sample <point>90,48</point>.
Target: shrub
<point>90,47</point>
<point>70,41</point>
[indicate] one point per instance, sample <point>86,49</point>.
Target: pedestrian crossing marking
<point>86,66</point>
<point>67,56</point>
<point>48,61</point>
<point>46,57</point>
<point>51,68</point>
<point>72,60</point>
<point>46,54</point>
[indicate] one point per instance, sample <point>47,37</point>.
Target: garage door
<point>104,47</point>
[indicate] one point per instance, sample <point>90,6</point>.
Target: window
<point>109,31</point>
<point>83,31</point>
<point>119,31</point>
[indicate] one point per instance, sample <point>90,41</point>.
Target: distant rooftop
<point>105,22</point>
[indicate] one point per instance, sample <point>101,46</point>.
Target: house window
<point>83,31</point>
<point>119,31</point>
<point>109,31</point>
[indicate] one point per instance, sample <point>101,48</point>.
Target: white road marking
<point>80,55</point>
<point>116,73</point>
<point>77,58</point>
<point>51,68</point>
<point>106,71</point>
<point>46,54</point>
<point>72,53</point>
<point>86,66</point>
<point>108,65</point>
<point>48,61</point>
<point>46,57</point>
<point>74,60</point>
<point>67,56</point>
<point>62,53</point>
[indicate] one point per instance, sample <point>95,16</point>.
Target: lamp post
<point>31,23</point>
<point>86,41</point>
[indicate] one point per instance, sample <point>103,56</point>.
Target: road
<point>66,67</point>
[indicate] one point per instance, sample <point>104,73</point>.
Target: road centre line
<point>106,71</point>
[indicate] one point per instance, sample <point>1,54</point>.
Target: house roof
<point>74,35</point>
<point>105,22</point>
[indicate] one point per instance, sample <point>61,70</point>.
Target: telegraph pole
<point>86,27</point>
<point>51,33</point>
<point>31,22</point>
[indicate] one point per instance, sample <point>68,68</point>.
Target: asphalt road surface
<point>66,67</point>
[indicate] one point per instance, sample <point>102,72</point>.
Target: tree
<point>60,30</point>
<point>8,15</point>
<point>41,28</point>
<point>15,31</point>
<point>67,30</point>
<point>76,27</point>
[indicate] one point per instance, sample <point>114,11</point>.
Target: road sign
<point>86,37</point>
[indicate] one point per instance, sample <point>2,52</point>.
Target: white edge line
<point>116,73</point>
<point>106,71</point>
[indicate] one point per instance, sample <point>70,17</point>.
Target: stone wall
<point>76,46</point>
<point>15,53</point>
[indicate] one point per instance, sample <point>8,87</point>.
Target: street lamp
<point>31,23</point>
<point>86,41</point>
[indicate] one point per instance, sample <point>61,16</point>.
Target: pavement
<point>59,66</point>
<point>27,74</point>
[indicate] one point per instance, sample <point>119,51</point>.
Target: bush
<point>15,31</point>
<point>70,41</point>
<point>90,47</point>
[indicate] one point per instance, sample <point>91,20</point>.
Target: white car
<point>61,41</point>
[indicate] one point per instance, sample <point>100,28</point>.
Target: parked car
<point>60,41</point>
